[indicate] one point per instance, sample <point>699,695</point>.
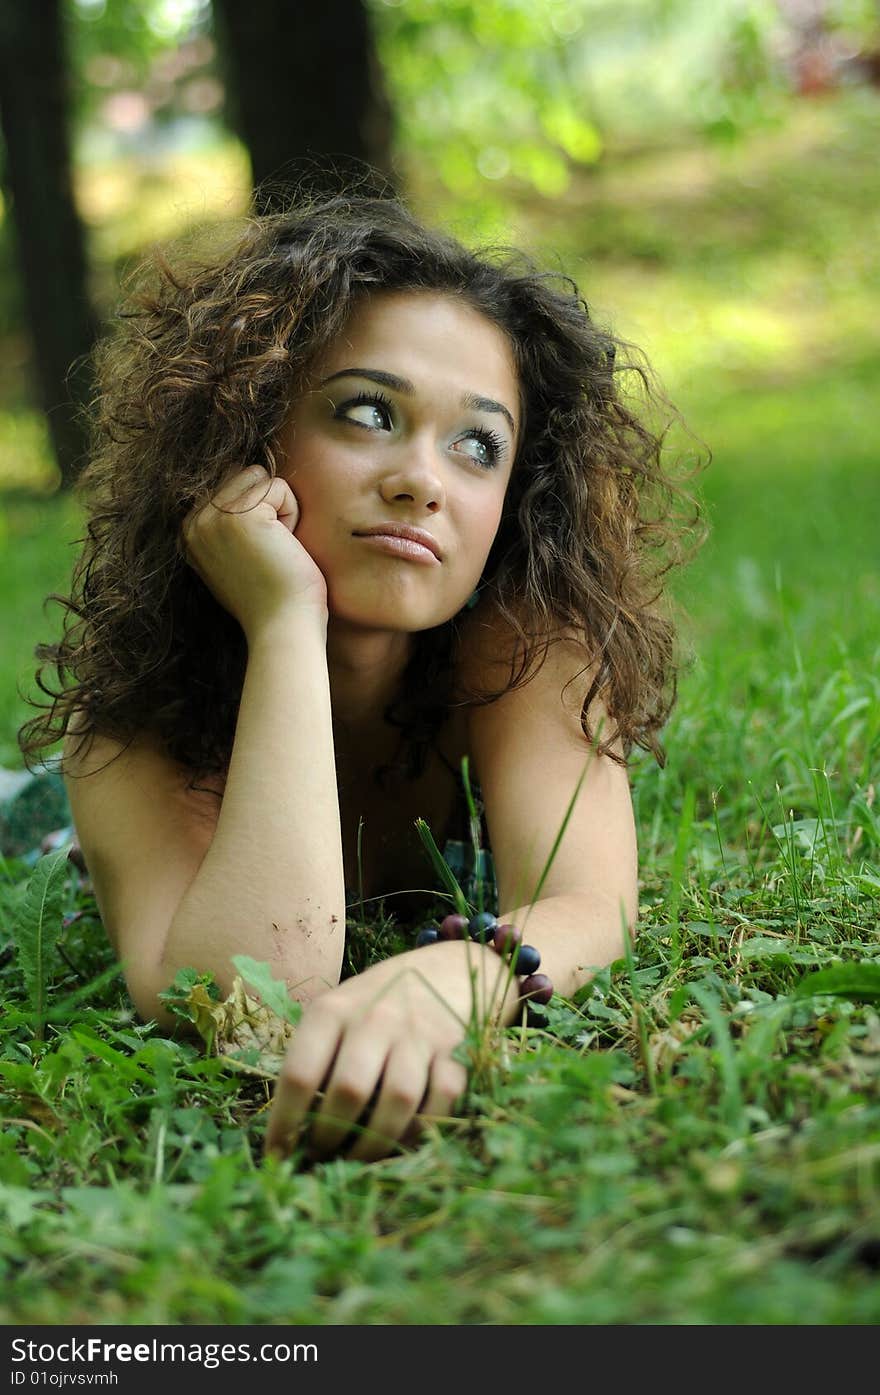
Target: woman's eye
<point>485,448</point>
<point>370,412</point>
<point>480,452</point>
<point>371,416</point>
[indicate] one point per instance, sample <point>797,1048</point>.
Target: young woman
<point>361,502</point>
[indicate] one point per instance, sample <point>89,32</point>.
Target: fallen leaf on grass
<point>241,1028</point>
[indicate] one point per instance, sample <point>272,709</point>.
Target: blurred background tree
<point>305,91</point>
<point>503,117</point>
<point>38,180</point>
<point>300,86</point>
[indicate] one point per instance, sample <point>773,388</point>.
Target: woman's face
<point>410,421</point>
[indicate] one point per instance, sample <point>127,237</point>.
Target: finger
<point>233,489</point>
<point>356,1073</point>
<point>274,492</point>
<point>241,482</point>
<point>404,1082</point>
<point>279,496</point>
<point>260,489</point>
<point>446,1089</point>
<point>306,1065</point>
<point>287,506</point>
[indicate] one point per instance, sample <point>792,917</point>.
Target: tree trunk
<point>49,239</point>
<point>306,94</point>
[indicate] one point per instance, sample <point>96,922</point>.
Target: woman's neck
<point>365,669</point>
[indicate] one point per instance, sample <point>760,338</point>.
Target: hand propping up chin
<point>242,546</point>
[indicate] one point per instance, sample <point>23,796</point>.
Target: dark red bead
<point>453,927</point>
<point>537,988</point>
<point>506,938</point>
<point>527,960</point>
<point>74,855</point>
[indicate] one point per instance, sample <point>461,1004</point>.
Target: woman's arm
<point>268,879</point>
<point>175,889</point>
<point>272,881</point>
<point>530,755</point>
<point>272,884</point>
<point>377,1055</point>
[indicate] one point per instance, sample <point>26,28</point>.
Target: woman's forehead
<point>422,336</point>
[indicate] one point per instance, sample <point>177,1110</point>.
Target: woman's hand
<point>380,1047</point>
<point>242,546</point>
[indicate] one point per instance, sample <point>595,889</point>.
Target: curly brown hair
<point>198,380</point>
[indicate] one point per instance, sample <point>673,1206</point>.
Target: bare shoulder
<point>489,655</point>
<point>533,759</point>
<point>100,770</point>
<point>87,753</point>
<point>143,836</point>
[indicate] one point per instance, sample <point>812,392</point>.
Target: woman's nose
<point>416,478</point>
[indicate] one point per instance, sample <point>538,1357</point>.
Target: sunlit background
<point>707,174</point>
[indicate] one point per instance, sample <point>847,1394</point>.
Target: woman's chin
<point>388,613</point>
<point>407,599</point>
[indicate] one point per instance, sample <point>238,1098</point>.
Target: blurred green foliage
<point>493,81</point>
<point>517,93</point>
<point>118,45</point>
<point>525,92</point>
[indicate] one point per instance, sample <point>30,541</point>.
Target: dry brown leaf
<point>241,1024</point>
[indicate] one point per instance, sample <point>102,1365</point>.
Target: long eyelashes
<point>494,443</point>
<point>491,440</point>
<point>368,399</point>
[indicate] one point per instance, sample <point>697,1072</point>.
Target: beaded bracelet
<point>506,940</point>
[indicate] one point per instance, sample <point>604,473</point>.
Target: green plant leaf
<point>273,991</point>
<point>767,947</point>
<point>37,926</point>
<point>860,981</point>
<point>17,1205</point>
<point>176,996</point>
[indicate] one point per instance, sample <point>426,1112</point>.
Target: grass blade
<point>568,813</point>
<point>730,1092</point>
<point>441,868</point>
<point>676,880</point>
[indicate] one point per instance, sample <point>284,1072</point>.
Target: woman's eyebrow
<point>391,380</point>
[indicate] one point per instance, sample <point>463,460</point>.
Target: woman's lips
<point>396,546</point>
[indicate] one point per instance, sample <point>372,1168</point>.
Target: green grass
<point>697,1138</point>
<point>37,550</point>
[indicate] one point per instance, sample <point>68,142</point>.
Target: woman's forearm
<point>574,936</point>
<point>272,882</point>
